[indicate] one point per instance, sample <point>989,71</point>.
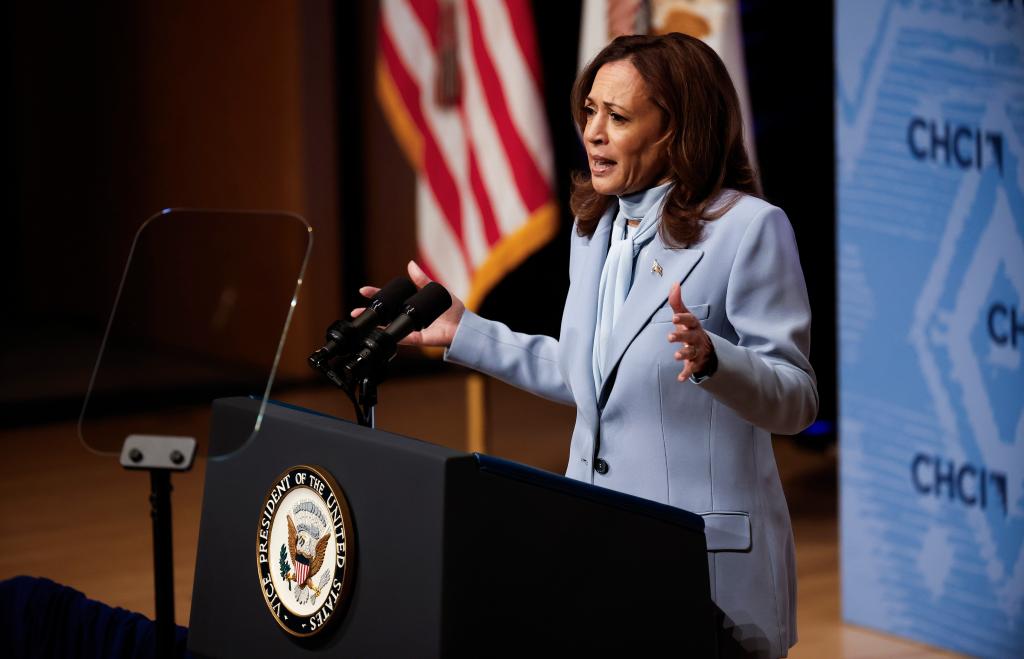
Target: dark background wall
<point>123,108</point>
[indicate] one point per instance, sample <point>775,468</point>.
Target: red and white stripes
<point>485,165</point>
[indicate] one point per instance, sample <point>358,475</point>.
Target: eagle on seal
<point>307,555</point>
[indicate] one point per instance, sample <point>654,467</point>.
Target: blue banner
<point>930,132</point>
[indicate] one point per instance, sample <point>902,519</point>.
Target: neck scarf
<point>617,274</point>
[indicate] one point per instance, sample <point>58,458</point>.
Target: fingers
<point>687,327</point>
<point>365,291</point>
<point>688,355</point>
<point>689,337</point>
<point>686,321</point>
<point>413,339</point>
<point>683,334</point>
<point>687,352</point>
<point>417,275</point>
<point>688,331</point>
<point>675,299</point>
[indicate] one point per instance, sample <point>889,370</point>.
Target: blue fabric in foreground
<point>40,618</point>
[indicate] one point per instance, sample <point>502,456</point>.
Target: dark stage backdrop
<point>121,109</point>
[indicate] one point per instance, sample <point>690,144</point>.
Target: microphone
<point>344,336</point>
<point>380,346</point>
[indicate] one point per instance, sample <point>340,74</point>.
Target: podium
<point>447,554</point>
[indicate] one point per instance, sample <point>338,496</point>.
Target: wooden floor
<point>81,520</point>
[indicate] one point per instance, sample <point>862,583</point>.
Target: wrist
<point>710,365</point>
<point>451,328</point>
<point>456,322</point>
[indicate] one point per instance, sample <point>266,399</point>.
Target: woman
<point>676,402</point>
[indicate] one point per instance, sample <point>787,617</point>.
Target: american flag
<point>460,84</point>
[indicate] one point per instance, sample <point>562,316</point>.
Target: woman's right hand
<point>439,333</point>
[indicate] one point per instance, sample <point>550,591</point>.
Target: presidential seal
<point>305,550</point>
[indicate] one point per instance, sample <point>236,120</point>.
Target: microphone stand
<point>369,402</point>
<point>363,394</point>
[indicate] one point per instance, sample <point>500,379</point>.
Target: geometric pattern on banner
<point>930,188</point>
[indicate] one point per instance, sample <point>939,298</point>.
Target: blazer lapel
<point>580,317</point>
<point>648,292</point>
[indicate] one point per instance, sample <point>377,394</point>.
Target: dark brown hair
<point>705,153</point>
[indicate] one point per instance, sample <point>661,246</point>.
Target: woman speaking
<point>685,336</point>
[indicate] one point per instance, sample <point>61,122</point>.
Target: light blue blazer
<point>703,447</point>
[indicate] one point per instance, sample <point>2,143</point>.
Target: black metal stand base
<point>163,560</point>
<point>161,456</point>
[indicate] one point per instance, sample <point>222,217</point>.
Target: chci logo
<point>305,550</point>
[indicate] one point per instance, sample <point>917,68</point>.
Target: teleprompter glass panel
<point>201,312</point>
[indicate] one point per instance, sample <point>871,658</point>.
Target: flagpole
<point>476,413</point>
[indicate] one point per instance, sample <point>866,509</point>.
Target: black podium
<point>455,554</point>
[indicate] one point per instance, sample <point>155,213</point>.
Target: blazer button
<point>600,466</point>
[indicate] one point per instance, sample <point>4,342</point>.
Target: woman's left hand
<point>697,346</point>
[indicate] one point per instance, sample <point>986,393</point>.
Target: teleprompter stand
<point>160,456</point>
